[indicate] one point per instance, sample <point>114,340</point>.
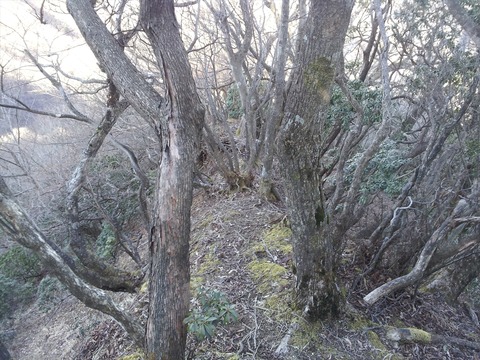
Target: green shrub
<point>233,103</point>
<point>13,293</point>
<point>381,171</point>
<point>370,99</point>
<point>106,242</point>
<point>213,309</point>
<point>19,273</point>
<point>48,292</point>
<point>19,263</point>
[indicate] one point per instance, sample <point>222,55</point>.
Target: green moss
<point>319,76</point>
<point>275,240</point>
<point>306,334</point>
<point>409,335</point>
<point>268,276</point>
<point>272,282</point>
<point>420,336</point>
<point>360,323</point>
<point>208,264</point>
<point>375,340</point>
<point>319,215</point>
<point>398,323</point>
<point>144,288</point>
<point>134,356</point>
<point>196,282</point>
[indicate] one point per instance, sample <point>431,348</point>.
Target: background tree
<point>366,126</point>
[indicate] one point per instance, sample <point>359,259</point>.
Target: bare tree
<point>176,121</point>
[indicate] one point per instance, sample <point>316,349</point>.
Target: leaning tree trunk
<point>170,234</point>
<point>315,246</point>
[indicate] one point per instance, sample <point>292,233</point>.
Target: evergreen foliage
<point>213,309</point>
<point>19,272</point>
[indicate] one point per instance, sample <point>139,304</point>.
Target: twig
<point>282,348</point>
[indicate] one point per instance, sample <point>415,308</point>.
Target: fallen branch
<point>282,348</point>
<point>414,335</point>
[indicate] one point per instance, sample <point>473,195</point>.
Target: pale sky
<point>57,40</point>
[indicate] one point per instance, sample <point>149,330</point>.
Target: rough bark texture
<point>178,122</point>
<point>315,250</point>
<point>128,80</point>
<point>276,109</point>
<point>170,234</point>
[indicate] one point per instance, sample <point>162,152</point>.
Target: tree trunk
<point>170,234</point>
<point>315,247</point>
<point>276,109</point>
<point>178,122</point>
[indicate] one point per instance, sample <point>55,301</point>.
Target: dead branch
<point>414,335</point>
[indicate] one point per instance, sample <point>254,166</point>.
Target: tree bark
<point>276,109</point>
<point>178,122</point>
<point>170,234</point>
<point>316,250</point>
<point>128,80</point>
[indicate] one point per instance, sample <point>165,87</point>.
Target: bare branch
<point>16,223</point>
<point>466,22</point>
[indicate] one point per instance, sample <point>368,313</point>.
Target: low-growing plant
<point>13,293</point>
<point>19,263</point>
<point>213,308</point>
<point>20,270</point>
<point>106,242</point>
<point>48,292</point>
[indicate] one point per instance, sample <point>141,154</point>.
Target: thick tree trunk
<point>315,245</point>
<point>178,121</point>
<point>170,234</point>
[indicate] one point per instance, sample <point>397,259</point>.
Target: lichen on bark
<point>318,77</point>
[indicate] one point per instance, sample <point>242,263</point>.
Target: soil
<point>240,247</point>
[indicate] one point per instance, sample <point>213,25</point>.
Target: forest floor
<point>240,246</point>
